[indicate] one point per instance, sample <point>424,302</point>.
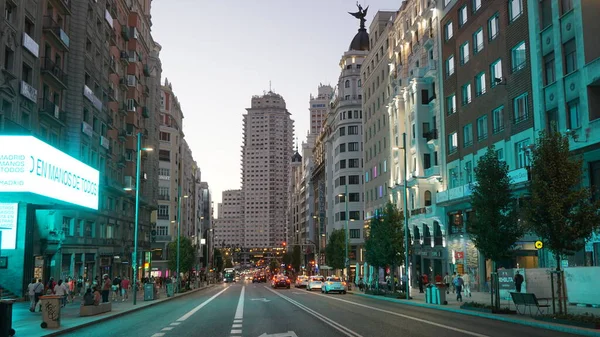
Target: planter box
<point>571,323</point>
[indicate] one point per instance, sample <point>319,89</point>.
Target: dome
<point>360,40</point>
<point>296,158</point>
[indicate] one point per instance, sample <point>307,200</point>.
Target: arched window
<point>359,83</point>
<point>347,84</point>
<point>427,198</point>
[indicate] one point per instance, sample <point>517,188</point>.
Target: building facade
<point>229,225</point>
<point>266,152</point>
<point>376,123</point>
<point>486,85</point>
<point>318,107</point>
<point>566,92</point>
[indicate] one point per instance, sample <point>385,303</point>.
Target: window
<point>353,130</point>
<point>354,180</point>
<point>552,120</point>
<point>10,12</point>
<point>549,76</point>
<point>478,41</point>
<point>427,198</point>
<point>482,128</point>
<point>342,147</point>
<point>353,146</point>
<point>452,142</point>
<point>164,155</point>
<point>467,135</point>
<point>500,154</point>
<point>515,9</point>
<point>464,53</point>
<point>573,113</point>
<point>450,65</point>
<point>163,212</point>
<point>476,5</point>
<point>519,57</point>
<point>468,171</point>
<point>462,16</point>
<point>448,31</point>
<point>570,56</point>
<point>466,94</point>
<point>342,131</point>
<point>496,73</point>
<point>353,163</point>
<point>354,197</point>
<point>566,6</point>
<point>521,148</point>
<point>27,74</point>
<point>451,104</point>
<point>545,13</point>
<point>347,84</point>
<point>165,137</point>
<point>9,58</point>
<point>520,108</point>
<point>354,233</point>
<point>493,27</point>
<point>498,119</point>
<point>480,85</point>
<point>342,164</point>
<point>454,180</point>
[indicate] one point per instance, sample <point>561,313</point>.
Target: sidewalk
<point>27,323</point>
<point>418,299</point>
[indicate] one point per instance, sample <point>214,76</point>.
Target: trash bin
<point>6,318</point>
<point>441,293</point>
<point>169,289</point>
<point>428,294</point>
<point>50,311</point>
<point>148,291</point>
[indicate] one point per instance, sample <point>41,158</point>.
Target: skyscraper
<point>318,108</point>
<point>266,154</point>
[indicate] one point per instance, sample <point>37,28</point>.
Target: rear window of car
<point>335,279</point>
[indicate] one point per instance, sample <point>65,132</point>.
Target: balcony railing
<point>51,109</point>
<point>145,112</point>
<point>431,134</point>
<point>164,197</point>
<point>49,25</point>
<point>49,67</point>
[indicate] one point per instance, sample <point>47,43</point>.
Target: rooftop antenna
<point>270,86</point>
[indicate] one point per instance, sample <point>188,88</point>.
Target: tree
<point>296,258</point>
<point>218,260</point>
<point>335,250</point>
<point>287,258</point>
<point>495,226</point>
<point>273,266</point>
<point>187,255</point>
<point>561,211</point>
<point>385,244</point>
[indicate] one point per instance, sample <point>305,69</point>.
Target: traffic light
<point>284,244</point>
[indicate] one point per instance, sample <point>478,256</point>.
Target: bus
<point>229,275</point>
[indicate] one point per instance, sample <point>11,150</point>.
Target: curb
<point>123,313</point>
<point>553,327</point>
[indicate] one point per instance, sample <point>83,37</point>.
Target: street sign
<point>539,244</point>
<point>285,334</point>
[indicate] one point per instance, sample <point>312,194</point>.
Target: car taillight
<point>344,284</point>
<point>288,281</point>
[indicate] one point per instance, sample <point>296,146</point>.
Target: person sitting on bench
<point>88,298</point>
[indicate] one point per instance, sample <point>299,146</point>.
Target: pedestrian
<point>458,284</point>
<point>49,288</point>
<point>116,288</point>
<point>447,281</point>
<point>33,288</point>
<point>106,286</point>
<point>454,277</point>
<point>125,289</point>
<point>88,298</point>
<point>420,282</point>
<point>518,281</point>
<point>61,290</point>
<point>79,285</point>
<point>467,284</point>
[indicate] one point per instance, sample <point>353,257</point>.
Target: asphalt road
<point>255,310</point>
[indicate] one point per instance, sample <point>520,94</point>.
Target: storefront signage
<point>506,279</point>
<point>518,176</point>
<point>29,165</point>
<point>8,225</point>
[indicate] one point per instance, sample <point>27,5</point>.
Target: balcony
<point>164,197</point>
<point>433,171</point>
<point>122,161</point>
<point>430,135</point>
<point>51,110</point>
<point>29,91</point>
<point>54,30</point>
<point>125,33</point>
<point>163,238</point>
<point>123,109</point>
<point>30,45</point>
<point>64,6</point>
<point>145,112</point>
<point>122,135</point>
<point>54,72</point>
<point>89,94</point>
<point>124,57</point>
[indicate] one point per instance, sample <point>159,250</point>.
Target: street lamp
<point>406,243</point>
<point>179,233</point>
<point>137,210</point>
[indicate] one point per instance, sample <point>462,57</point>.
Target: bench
<point>528,300</point>
<point>91,310</point>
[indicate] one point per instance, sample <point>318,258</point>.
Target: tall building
<point>566,92</point>
<point>376,121</point>
<point>318,107</point>
<point>343,170</point>
<point>296,211</point>
<point>487,101</point>
<point>266,153</point>
<point>317,185</point>
<point>414,109</point>
<point>84,89</point>
<point>229,224</point>
<point>171,188</point>
<point>204,219</point>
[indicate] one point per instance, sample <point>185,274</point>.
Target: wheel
<point>11,332</point>
<point>322,292</point>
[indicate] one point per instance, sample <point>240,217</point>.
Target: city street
<point>255,310</point>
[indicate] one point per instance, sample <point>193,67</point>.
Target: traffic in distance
<point>330,284</point>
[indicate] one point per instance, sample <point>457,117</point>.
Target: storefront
<point>38,184</point>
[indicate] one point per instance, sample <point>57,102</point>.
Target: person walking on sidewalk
<point>116,288</point>
<point>458,284</point>
<point>467,284</point>
<point>106,285</point>
<point>447,281</point>
<point>518,281</point>
<point>125,289</point>
<point>35,289</point>
<point>60,289</point>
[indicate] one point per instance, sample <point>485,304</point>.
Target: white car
<point>301,281</point>
<point>315,282</point>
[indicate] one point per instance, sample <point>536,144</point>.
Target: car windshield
<point>334,279</point>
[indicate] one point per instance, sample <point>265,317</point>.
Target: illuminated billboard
<point>8,225</point>
<point>27,164</point>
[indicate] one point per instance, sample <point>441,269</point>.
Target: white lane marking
<point>160,334</point>
<point>239,312</point>
<point>470,333</point>
<point>169,328</point>
<point>236,325</point>
<point>175,323</point>
<point>193,311</point>
<point>328,321</point>
<point>236,331</point>
<point>237,321</point>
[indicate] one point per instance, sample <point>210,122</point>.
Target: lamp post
<point>137,211</point>
<point>179,233</point>
<point>405,194</point>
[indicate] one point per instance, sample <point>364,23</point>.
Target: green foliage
<point>495,227</point>
<point>218,260</point>
<point>296,258</point>
<point>335,250</point>
<point>187,255</point>
<point>287,258</point>
<point>228,263</point>
<point>385,244</point>
<point>273,265</point>
<point>561,212</point>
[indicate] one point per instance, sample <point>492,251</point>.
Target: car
<point>281,281</point>
<point>334,284</point>
<point>315,282</point>
<point>301,281</point>
<point>259,278</point>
